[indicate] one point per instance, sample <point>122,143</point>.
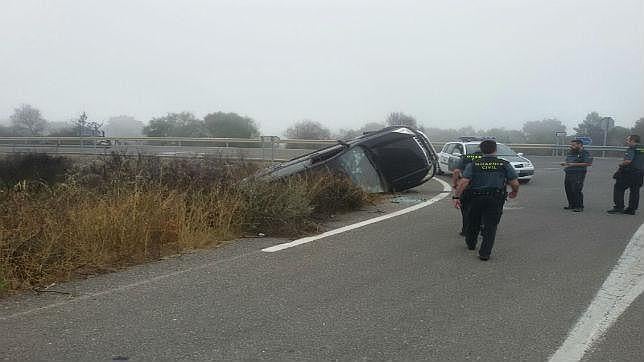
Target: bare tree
<point>88,128</point>
<point>401,119</point>
<point>27,121</point>
<point>308,130</point>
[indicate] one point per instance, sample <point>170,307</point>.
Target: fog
<point>343,63</point>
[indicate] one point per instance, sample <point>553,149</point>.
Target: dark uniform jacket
<point>633,173</point>
<point>489,173</point>
<point>635,154</point>
<point>581,156</point>
<point>466,159</point>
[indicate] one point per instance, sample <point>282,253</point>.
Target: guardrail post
<point>273,144</point>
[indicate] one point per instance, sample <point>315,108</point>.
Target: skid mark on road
<point>624,284</point>
<point>442,195</point>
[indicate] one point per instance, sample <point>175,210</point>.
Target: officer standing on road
<point>630,175</point>
<point>487,179</point>
<point>577,161</point>
<point>457,174</point>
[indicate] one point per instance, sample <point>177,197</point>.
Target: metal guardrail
<point>263,148</point>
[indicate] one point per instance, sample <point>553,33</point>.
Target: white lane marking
<point>446,189</point>
<point>624,284</point>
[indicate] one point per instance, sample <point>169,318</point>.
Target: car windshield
<point>501,149</point>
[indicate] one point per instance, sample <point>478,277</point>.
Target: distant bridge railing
<point>267,148</point>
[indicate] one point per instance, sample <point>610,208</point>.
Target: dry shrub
<point>49,237</point>
<point>41,167</point>
<point>277,208</point>
<point>121,211</point>
<point>330,193</point>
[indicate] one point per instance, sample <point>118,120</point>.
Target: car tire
<point>523,182</point>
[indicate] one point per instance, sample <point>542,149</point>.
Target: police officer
<point>457,174</point>
<point>577,161</point>
<point>629,176</point>
<point>487,179</point>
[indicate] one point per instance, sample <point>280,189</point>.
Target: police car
<point>449,157</point>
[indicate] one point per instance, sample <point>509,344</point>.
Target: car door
<point>444,155</point>
<point>455,156</point>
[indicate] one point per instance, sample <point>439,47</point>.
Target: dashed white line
<point>624,284</point>
<point>446,189</point>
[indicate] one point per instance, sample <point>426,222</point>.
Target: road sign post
<point>272,140</point>
<point>560,136</point>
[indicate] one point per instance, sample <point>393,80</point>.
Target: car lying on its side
<point>392,159</point>
<point>450,155</point>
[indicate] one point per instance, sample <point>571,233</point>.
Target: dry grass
<point>122,211</point>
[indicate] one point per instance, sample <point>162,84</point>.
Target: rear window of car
<point>449,147</point>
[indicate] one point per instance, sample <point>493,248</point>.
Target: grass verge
<point>118,211</point>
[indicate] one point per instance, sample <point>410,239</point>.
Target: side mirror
<point>520,154</point>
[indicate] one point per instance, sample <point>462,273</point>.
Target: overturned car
<point>392,159</point>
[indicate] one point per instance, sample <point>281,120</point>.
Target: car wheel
<point>523,182</point>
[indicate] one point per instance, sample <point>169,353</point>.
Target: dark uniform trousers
<point>484,208</point>
<point>633,182</point>
<point>464,213</point>
<point>574,184</point>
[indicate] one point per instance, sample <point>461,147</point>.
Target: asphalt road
<point>402,289</point>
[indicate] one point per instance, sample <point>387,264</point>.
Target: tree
<point>505,136</point>
<point>638,127</point>
<point>5,131</point>
<point>308,130</point>
<point>27,121</point>
<point>352,133</point>
<point>230,125</point>
<point>63,129</point>
<point>616,136</point>
<point>183,124</point>
<point>542,131</point>
<point>124,126</point>
<point>594,127</point>
<point>401,119</point>
<point>440,134</point>
<point>88,128</point>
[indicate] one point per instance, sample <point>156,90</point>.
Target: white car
<point>450,155</point>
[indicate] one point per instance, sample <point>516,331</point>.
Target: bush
<point>120,211</point>
<point>331,193</point>
<point>38,167</point>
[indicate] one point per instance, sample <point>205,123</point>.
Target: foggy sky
<point>488,63</point>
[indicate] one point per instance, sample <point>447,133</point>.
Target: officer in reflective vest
<point>484,187</point>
